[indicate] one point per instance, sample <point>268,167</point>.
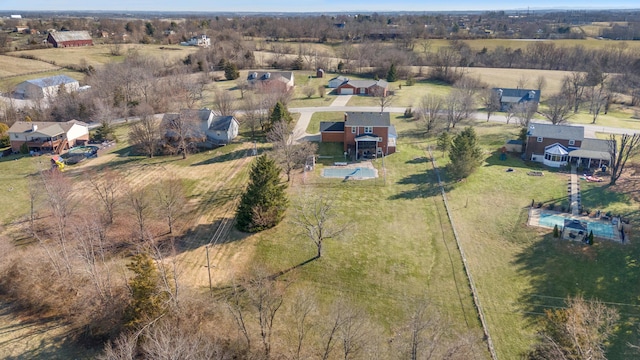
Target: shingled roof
<point>367,119</point>
<point>563,132</point>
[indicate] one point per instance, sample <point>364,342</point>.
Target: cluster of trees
<point>71,267</point>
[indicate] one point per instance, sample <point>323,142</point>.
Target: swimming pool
<point>357,173</point>
<point>600,229</point>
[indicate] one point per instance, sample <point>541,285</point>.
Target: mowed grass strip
<point>12,66</point>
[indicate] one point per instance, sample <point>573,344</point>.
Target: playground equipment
<point>57,162</point>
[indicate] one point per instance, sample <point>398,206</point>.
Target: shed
<point>319,73</point>
<point>513,146</point>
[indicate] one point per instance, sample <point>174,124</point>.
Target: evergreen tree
<point>231,71</point>
<point>465,154</point>
<point>444,142</point>
<point>279,113</point>
<point>264,202</point>
<point>298,63</point>
<point>556,231</point>
<point>147,300</point>
<point>392,74</point>
<point>590,238</point>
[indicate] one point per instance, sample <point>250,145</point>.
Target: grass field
<point>98,55</point>
<point>491,44</point>
<point>520,271</point>
<point>11,66</point>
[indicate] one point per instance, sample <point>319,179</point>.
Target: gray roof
<point>56,80</point>
<point>368,119</point>
<point>335,126</point>
<point>562,132</point>
<point>262,75</point>
<point>61,36</point>
<point>366,83</point>
<point>341,78</point>
<point>392,132</point>
<point>593,149</point>
<point>44,127</point>
<point>221,123</point>
<point>517,95</point>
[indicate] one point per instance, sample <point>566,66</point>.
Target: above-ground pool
<point>88,150</point>
<point>600,229</point>
<point>356,173</point>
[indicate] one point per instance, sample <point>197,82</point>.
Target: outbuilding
<point>69,38</point>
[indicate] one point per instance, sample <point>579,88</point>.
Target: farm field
<point>98,55</point>
<point>12,66</point>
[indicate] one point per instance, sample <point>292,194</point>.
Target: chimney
<point>34,127</point>
<point>346,117</point>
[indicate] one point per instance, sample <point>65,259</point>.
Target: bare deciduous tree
<point>383,99</point>
<point>629,146</point>
<point>579,331</point>
<point>106,186</point>
<point>525,111</point>
<point>457,107</point>
<point>183,131</point>
<point>303,308</point>
<point>490,101</point>
<point>558,109</point>
<point>140,204</point>
<point>316,219</point>
<point>170,199</point>
<point>224,102</point>
<point>288,154</point>
<point>60,197</point>
<point>429,111</point>
<point>145,133</point>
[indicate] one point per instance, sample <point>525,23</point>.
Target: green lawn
<point>519,271</point>
<point>407,96</point>
<point>393,252</point>
<point>316,118</point>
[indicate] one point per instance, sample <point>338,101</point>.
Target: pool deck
<point>534,220</point>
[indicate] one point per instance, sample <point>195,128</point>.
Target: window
<point>368,129</point>
<point>353,129</point>
<point>539,138</point>
<point>572,142</point>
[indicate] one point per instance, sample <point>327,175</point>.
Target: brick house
<point>363,87</point>
<point>69,38</point>
<point>363,134</point>
<point>48,136</point>
<point>560,145</point>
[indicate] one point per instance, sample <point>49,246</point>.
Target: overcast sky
<point>310,5</point>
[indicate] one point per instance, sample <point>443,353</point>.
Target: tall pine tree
<point>264,202</point>
<point>465,154</point>
<point>392,74</point>
<point>280,113</point>
<point>147,298</point>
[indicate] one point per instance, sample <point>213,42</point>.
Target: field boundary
<point>474,291</point>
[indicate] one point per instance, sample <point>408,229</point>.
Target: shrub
<point>551,206</point>
<point>5,141</point>
<point>590,238</point>
<point>24,149</point>
<point>556,232</point>
<point>411,81</point>
<point>408,113</point>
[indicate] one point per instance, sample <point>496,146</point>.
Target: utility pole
<point>209,271</point>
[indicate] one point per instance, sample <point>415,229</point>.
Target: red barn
<point>69,38</point>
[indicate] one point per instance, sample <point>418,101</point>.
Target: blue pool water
<point>600,229</point>
<point>359,172</point>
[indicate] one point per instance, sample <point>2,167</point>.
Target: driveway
<point>341,100</point>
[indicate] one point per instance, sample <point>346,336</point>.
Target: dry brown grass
<point>11,66</point>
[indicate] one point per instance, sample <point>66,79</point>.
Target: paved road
<point>300,133</point>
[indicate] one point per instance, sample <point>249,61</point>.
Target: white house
<point>45,88</point>
<point>48,136</point>
<point>202,41</point>
<point>271,79</point>
<point>219,130</point>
